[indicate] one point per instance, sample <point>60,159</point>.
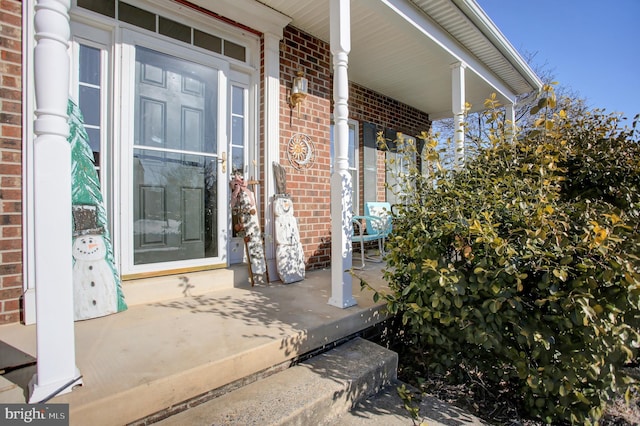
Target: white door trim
<point>131,39</point>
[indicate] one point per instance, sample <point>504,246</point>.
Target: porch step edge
<point>158,289</point>
<point>388,409</point>
<point>312,392</point>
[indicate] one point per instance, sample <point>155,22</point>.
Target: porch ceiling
<point>405,48</point>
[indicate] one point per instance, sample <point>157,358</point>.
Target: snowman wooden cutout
<point>289,251</point>
<point>94,285</point>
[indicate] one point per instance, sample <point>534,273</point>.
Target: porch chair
<point>375,225</point>
<point>384,211</point>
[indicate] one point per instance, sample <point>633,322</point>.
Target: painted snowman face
<point>283,207</point>
<point>89,247</point>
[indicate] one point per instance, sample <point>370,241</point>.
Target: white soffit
<point>405,48</point>
<point>251,13</point>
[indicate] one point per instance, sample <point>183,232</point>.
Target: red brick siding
<point>367,105</point>
<point>310,188</point>
<point>10,160</point>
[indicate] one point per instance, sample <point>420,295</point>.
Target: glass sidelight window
<point>238,129</point>
<point>90,93</point>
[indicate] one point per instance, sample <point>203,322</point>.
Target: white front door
<point>177,175</point>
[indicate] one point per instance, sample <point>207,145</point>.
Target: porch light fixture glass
<point>299,90</point>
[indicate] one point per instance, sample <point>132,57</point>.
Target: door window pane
<point>104,7</point>
<point>89,100</point>
<point>89,65</point>
<point>90,97</point>
<point>175,184</point>
<point>238,123</point>
<point>174,29</point>
<point>207,41</point>
<point>136,16</point>
<point>235,51</point>
<point>175,207</point>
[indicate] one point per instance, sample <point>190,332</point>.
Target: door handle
<point>223,161</point>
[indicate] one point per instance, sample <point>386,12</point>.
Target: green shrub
<point>524,265</point>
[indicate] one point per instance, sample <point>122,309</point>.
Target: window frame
<point>131,39</point>
<point>399,167</point>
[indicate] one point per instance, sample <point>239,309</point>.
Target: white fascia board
<point>251,13</point>
<point>482,21</point>
<point>419,21</point>
<point>246,12</point>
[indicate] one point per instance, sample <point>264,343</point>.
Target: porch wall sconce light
<point>299,91</point>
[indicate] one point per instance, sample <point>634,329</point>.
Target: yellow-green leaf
<point>457,301</point>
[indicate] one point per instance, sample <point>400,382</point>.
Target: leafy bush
<point>524,265</point>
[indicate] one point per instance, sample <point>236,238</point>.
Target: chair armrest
<point>358,226</point>
<point>357,219</point>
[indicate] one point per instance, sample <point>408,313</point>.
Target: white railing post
<point>56,361</point>
<point>341,211</point>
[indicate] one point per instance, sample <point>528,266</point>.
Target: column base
<point>339,303</point>
<point>42,393</point>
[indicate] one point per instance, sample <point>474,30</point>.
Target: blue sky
<point>590,46</point>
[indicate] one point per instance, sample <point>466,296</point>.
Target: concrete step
<point>167,287</point>
<point>313,392</point>
<point>387,408</point>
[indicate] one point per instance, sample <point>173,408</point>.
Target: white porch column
<point>272,139</point>
<point>341,208</point>
<point>56,370</point>
<point>510,125</point>
<point>458,109</point>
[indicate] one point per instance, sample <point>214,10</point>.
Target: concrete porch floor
<point>156,355</point>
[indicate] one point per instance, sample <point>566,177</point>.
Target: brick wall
<point>10,160</point>
<point>310,187</point>
<point>367,105</point>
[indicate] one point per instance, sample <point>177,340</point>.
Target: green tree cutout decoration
<point>85,188</point>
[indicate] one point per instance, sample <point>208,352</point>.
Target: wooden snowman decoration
<point>94,284</point>
<point>289,251</point>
